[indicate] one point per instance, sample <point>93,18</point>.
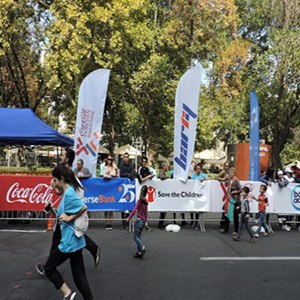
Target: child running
<point>262,204</point>
<point>142,208</point>
<point>245,208</point>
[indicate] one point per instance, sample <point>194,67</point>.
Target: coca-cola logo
<point>41,193</point>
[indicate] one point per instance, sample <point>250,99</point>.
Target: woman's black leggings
<point>56,258</point>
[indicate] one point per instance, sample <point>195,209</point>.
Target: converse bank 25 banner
<point>186,111</point>
<point>116,194</point>
<point>175,195</point>
<point>92,96</point>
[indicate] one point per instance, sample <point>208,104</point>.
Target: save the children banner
<point>254,138</point>
<point>117,194</point>
<point>186,111</point>
<point>92,96</point>
<point>175,195</point>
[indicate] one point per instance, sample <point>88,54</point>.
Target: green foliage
<point>48,47</point>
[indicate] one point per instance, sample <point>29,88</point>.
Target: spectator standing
<point>126,171</point>
<point>297,176</point>
<point>145,174</point>
<point>171,172</point>
<point>109,171</point>
<point>152,169</point>
<point>294,167</point>
<point>223,177</point>
<point>268,178</point>
<point>102,165</point>
<point>289,176</point>
<point>282,182</point>
<point>234,202</point>
<point>81,172</point>
<point>245,208</point>
<point>262,204</point>
<point>162,176</point>
<point>191,171</point>
<point>197,175</point>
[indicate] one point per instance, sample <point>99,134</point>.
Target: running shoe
<point>138,255</point>
<point>144,250</point>
<point>148,228</point>
<point>71,296</point>
<point>286,227</point>
<point>97,256</point>
<point>40,268</point>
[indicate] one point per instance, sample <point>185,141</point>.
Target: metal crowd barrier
<point>204,217</point>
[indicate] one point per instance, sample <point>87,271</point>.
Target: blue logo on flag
<point>184,144</point>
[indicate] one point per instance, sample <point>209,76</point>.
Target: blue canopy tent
<point>20,126</point>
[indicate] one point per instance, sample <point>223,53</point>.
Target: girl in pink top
<point>142,212</point>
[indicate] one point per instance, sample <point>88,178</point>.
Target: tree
<point>273,68</point>
<point>22,77</point>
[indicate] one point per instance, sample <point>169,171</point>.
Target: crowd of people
<point>227,175</point>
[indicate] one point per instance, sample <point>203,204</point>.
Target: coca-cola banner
<point>26,193</point>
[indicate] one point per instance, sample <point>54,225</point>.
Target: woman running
<point>70,247</point>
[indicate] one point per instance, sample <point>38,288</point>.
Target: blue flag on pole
<point>254,138</point>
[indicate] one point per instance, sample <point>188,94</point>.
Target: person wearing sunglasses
<point>144,172</point>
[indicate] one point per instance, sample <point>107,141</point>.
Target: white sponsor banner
<point>92,96</point>
<point>287,198</point>
<point>218,193</point>
<point>175,195</point>
<point>186,111</point>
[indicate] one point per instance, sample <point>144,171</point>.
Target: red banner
<point>26,193</point>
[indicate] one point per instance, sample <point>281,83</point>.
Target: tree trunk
<point>276,160</point>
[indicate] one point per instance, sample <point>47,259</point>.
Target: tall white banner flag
<point>186,111</point>
<point>92,96</point>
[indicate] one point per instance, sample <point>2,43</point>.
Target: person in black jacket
<point>126,167</point>
<point>126,171</point>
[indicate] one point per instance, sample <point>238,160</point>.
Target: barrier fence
<point>24,197</point>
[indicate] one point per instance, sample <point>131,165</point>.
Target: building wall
<point>238,156</point>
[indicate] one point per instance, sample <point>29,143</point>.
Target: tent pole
<point>57,155</point>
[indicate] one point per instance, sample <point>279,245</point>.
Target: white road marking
<point>250,258</point>
<point>26,231</point>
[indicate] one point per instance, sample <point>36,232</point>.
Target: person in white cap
<point>282,182</point>
<point>289,175</point>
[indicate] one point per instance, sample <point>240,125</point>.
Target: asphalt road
<point>171,269</point>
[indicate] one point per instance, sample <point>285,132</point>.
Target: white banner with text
<point>209,196</point>
<point>175,195</point>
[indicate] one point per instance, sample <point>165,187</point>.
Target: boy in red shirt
<point>262,204</point>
